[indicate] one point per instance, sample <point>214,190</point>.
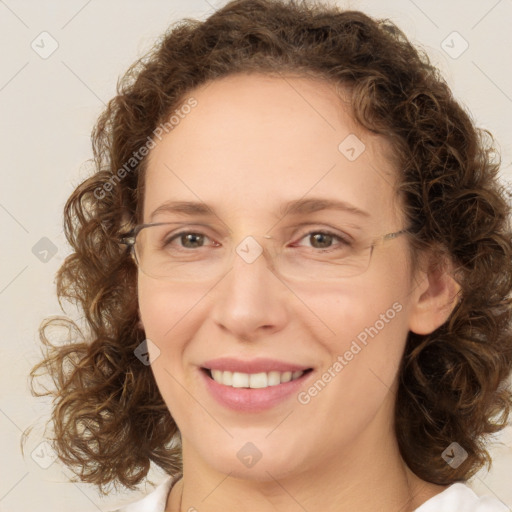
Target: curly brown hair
<point>109,419</point>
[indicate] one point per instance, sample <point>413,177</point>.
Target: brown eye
<point>324,240</point>
<point>187,239</point>
<point>321,240</point>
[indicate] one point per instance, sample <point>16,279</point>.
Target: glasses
<point>164,252</point>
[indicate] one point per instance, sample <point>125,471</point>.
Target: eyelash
<point>340,238</point>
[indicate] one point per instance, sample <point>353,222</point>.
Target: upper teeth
<point>253,380</point>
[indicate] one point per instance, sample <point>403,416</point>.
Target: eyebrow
<point>295,207</point>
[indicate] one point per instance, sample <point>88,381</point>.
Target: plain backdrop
<point>48,105</point>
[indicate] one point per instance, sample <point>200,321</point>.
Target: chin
<point>259,461</point>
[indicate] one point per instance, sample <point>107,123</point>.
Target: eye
<point>325,239</point>
<point>187,239</point>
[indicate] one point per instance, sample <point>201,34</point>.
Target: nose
<point>250,301</point>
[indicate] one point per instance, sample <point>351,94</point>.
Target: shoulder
<point>462,498</point>
<point>155,501</point>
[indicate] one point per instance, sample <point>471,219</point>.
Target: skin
<point>252,143</point>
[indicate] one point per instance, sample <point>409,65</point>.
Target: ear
<point>434,298</point>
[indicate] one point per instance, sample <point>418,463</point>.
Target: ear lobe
<point>435,298</point>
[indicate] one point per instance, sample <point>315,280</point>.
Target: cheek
<point>361,358</point>
<point>349,309</point>
<point>365,351</point>
<point>166,308</point>
<point>154,307</point>
<point>169,313</point>
<point>368,322</point>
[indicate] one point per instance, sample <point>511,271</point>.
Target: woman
<point>294,261</point>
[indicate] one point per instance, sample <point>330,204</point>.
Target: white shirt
<point>456,498</point>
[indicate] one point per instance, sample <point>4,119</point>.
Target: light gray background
<point>48,107</point>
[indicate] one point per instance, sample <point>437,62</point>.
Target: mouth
<point>260,380</point>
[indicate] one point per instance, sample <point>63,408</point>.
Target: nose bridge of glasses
<point>252,247</point>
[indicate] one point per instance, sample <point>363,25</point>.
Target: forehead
<point>252,142</point>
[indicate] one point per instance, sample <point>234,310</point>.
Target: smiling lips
<point>253,386</point>
<point>254,374</point>
<point>254,380</point>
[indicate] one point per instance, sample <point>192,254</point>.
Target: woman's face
<point>251,145</point>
